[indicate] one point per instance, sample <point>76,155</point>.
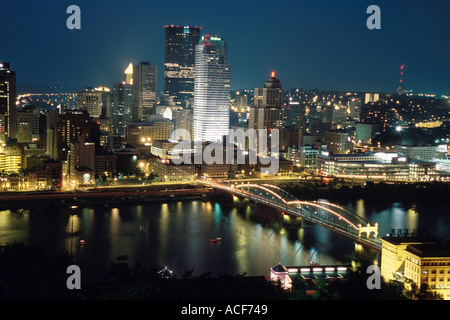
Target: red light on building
<point>272,74</point>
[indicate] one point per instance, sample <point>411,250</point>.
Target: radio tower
<point>400,88</point>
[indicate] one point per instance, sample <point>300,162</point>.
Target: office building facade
<point>144,90</point>
<point>179,65</point>
<point>8,100</point>
<point>212,90</point>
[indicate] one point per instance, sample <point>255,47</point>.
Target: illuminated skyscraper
<point>179,63</point>
<point>267,111</point>
<point>144,90</point>
<point>122,98</point>
<point>212,90</point>
<point>8,114</point>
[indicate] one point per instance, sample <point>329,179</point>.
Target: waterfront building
<point>285,169</point>
<point>422,259</point>
<point>81,160</point>
<point>311,274</point>
<point>211,112</point>
<point>375,165</point>
<point>166,170</point>
<point>106,164</point>
<point>53,170</point>
<point>179,64</point>
<point>214,170</point>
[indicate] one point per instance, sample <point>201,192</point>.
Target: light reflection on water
<point>177,235</point>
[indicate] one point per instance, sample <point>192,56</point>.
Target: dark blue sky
<point>310,44</point>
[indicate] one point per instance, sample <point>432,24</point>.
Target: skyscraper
<point>8,113</point>
<point>267,110</point>
<point>144,90</point>
<point>212,90</point>
<point>179,65</point>
<point>122,98</point>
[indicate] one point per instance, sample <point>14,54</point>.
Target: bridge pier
<point>222,196</point>
<point>290,221</point>
<point>366,255</point>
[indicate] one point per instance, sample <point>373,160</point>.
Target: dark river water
<point>177,234</point>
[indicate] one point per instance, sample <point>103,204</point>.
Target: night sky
<point>310,44</point>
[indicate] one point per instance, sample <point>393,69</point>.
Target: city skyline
<point>323,45</point>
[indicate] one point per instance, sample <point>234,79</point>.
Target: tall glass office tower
<point>212,90</point>
<point>122,97</point>
<point>144,90</point>
<point>8,113</point>
<point>179,63</point>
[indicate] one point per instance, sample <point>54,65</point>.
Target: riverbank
<point>106,196</point>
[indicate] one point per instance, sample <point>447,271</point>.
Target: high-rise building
<point>96,101</point>
<point>8,99</point>
<point>122,106</point>
<point>122,102</point>
<point>179,65</point>
<point>295,115</point>
<point>183,123</point>
<point>71,126</point>
<point>51,133</point>
<point>81,159</point>
<point>338,142</point>
<point>144,90</point>
<point>212,90</point>
<point>24,127</point>
<point>267,110</point>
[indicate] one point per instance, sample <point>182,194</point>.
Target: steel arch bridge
<point>322,213</point>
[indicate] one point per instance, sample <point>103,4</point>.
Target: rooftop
<point>430,249</point>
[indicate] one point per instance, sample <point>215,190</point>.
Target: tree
<point>414,292</point>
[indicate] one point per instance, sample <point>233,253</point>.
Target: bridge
<point>322,213</point>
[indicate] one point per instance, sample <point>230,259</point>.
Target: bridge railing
<point>325,214</point>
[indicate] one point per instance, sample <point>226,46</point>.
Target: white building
<point>211,90</point>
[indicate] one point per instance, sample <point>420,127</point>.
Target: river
<point>177,234</point>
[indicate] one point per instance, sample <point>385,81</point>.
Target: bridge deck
<point>325,214</point>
